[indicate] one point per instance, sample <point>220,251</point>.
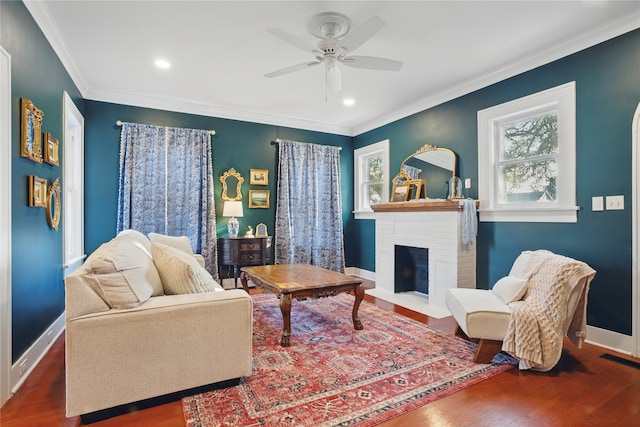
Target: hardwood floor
<point>585,389</point>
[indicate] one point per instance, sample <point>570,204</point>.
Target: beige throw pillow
<point>510,289</point>
<point>181,242</point>
<point>180,273</point>
<point>122,274</point>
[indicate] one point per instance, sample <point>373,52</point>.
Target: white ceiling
<point>220,51</point>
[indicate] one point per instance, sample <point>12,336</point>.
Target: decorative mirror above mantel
<point>430,172</point>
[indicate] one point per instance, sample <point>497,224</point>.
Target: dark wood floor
<point>583,390</point>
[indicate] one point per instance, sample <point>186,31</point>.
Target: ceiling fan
<point>337,40</point>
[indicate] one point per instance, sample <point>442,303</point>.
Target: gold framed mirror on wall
<point>231,185</point>
<point>53,204</point>
<point>430,166</point>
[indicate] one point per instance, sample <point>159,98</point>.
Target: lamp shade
<point>232,209</point>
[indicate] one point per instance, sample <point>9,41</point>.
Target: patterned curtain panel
<point>166,185</point>
<point>308,227</point>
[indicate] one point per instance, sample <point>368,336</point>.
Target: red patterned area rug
<point>333,375</point>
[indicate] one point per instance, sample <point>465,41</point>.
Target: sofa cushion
<point>510,289</point>
<point>137,237</point>
<point>181,242</point>
<point>180,273</point>
<point>122,274</point>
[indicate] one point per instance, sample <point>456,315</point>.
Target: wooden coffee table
<point>302,281</point>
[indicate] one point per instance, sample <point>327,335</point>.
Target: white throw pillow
<point>181,242</point>
<point>510,289</point>
<point>180,273</point>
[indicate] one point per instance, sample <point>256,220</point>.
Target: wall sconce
<point>232,209</point>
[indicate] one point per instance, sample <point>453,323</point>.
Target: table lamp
<point>232,209</point>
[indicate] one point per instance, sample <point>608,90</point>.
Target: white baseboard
<point>365,274</point>
<point>30,358</point>
<point>614,341</point>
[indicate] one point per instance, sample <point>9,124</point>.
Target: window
<point>73,186</point>
<point>526,158</point>
<point>371,178</point>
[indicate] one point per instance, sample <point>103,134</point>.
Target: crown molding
<point>41,14</point>
<point>571,46</point>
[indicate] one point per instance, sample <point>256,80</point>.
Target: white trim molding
<point>5,225</point>
<point>635,230</point>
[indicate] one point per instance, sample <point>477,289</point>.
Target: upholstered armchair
<point>528,313</point>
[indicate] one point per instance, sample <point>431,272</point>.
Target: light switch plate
<point>615,203</point>
<point>467,183</point>
<point>597,203</point>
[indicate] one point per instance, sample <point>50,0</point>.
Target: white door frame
<point>635,227</point>
<point>5,226</point>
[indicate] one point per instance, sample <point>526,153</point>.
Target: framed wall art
<point>401,193</point>
<point>37,191</point>
<point>51,149</point>
<point>259,177</point>
<point>30,131</point>
<point>259,199</point>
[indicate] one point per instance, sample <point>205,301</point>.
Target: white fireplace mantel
<point>435,226</point>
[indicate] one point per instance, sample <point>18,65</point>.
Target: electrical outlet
<point>597,203</point>
<point>23,367</point>
<point>615,203</point>
<point>467,183</point>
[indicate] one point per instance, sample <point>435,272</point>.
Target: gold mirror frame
<point>31,131</point>
<point>231,172</point>
<point>53,204</point>
<point>418,186</point>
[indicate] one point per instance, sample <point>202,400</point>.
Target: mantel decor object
<point>233,209</point>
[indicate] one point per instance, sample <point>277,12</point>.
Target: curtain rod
<point>277,141</point>
<point>120,123</point>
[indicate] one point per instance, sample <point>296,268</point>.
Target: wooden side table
<point>243,251</point>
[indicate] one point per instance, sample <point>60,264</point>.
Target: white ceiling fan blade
<point>293,40</point>
<point>293,68</point>
<point>358,36</point>
<point>372,63</point>
<point>334,78</point>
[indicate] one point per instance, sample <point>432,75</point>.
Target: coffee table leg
<point>285,308</point>
<point>359,293</point>
<point>243,279</point>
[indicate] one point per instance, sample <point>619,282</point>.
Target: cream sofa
<point>127,340</point>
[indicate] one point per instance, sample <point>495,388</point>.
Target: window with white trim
<point>526,158</point>
<point>371,178</point>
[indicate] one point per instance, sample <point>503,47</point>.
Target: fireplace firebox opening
<point>411,269</point>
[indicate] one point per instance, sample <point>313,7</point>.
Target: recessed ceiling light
<point>161,63</point>
<point>349,102</point>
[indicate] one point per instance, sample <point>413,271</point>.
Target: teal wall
<point>237,144</point>
<point>607,93</point>
<point>37,289</point>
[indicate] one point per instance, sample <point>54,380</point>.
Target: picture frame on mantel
<point>51,149</point>
<point>401,193</point>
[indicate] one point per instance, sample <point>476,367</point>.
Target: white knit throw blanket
<point>536,328</point>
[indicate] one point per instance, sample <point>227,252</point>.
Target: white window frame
<point>73,186</point>
<point>561,99</point>
<point>360,158</point>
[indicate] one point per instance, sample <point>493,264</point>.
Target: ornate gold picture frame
<point>53,204</point>
<point>259,199</point>
<point>30,131</point>
<point>37,191</point>
<point>51,149</point>
<point>259,177</point>
<point>229,179</point>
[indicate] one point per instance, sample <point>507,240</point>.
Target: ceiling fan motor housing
<point>329,25</point>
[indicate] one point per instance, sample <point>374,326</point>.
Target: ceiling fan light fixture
<point>348,102</point>
<point>162,63</point>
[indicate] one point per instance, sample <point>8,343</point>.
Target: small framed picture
<point>51,149</point>
<point>259,177</point>
<point>401,193</point>
<point>31,136</point>
<point>259,199</point>
<point>37,191</point>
